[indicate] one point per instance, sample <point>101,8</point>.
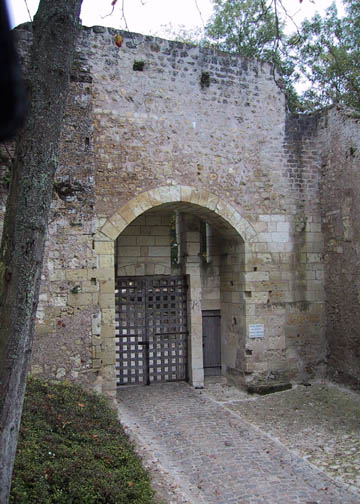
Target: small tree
<point>55,30</point>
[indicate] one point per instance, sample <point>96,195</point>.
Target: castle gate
<point>168,235</point>
<point>151,329</point>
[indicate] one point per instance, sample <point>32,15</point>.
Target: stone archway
<point>202,203</point>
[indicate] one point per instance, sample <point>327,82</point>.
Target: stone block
<point>118,222</point>
<point>264,237</point>
<point>76,274</point>
<point>313,258</point>
<point>146,240</point>
<point>106,300</point>
<point>103,273</point>
<point>131,230</point>
<point>153,220</point>
<point>107,358</point>
<point>106,261</point>
<point>108,331</point>
<point>280,246</point>
<point>154,197</point>
<point>258,297</point>
<point>280,237</point>
<point>159,251</point>
<point>277,218</point>
<point>210,304</point>
<point>80,299</point>
<point>57,276</point>
<point>110,230</point>
<point>108,316</point>
<point>193,249</point>
<point>212,202</point>
<point>160,269</point>
<point>210,293</point>
<point>129,252</point>
<point>283,227</point>
<point>96,363</point>
<point>162,241</point>
<point>197,377</point>
<point>104,248</point>
<point>126,240</point>
<point>107,287</point>
<point>140,269</point>
<point>261,227</point>
<point>185,193</point>
<point>157,231</point>
<point>95,324</point>
<point>141,203</point>
<point>256,276</point>
<point>192,236</point>
<point>170,193</point>
<point>130,269</point>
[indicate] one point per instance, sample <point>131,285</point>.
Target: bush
<point>73,450</point>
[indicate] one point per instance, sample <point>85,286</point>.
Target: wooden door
<point>211,342</point>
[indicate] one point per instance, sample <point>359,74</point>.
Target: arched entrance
<point>210,247</point>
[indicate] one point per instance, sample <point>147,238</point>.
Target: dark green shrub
<point>73,450</point>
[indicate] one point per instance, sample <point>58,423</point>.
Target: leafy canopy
<point>327,51</point>
<point>323,53</point>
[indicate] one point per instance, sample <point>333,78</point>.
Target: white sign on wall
<point>256,330</point>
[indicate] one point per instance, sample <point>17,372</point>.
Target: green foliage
<point>204,80</point>
<point>6,178</point>
<point>138,66</point>
<point>254,29</point>
<point>324,52</point>
<point>72,449</point>
<point>327,50</point>
<point>248,27</point>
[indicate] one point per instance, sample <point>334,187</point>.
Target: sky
<point>150,16</point>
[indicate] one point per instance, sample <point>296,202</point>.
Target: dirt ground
<point>319,422</point>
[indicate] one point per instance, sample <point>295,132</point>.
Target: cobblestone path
<point>209,454</point>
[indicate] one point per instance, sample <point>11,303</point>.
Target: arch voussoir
<point>117,222</point>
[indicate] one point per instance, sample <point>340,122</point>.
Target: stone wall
<point>143,248</point>
<point>157,126</point>
<point>340,205</point>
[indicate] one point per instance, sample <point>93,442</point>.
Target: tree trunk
<point>55,29</point>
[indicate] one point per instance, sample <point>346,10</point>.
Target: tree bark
<point>55,29</point>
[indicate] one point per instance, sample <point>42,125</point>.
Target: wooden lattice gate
<point>151,329</point>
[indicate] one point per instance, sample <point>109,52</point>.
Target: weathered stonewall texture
<point>156,128</point>
<point>340,208</point>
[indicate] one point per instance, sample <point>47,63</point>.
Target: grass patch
<point>73,450</point>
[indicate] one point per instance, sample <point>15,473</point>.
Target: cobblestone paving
<point>320,422</point>
<point>210,454</point>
